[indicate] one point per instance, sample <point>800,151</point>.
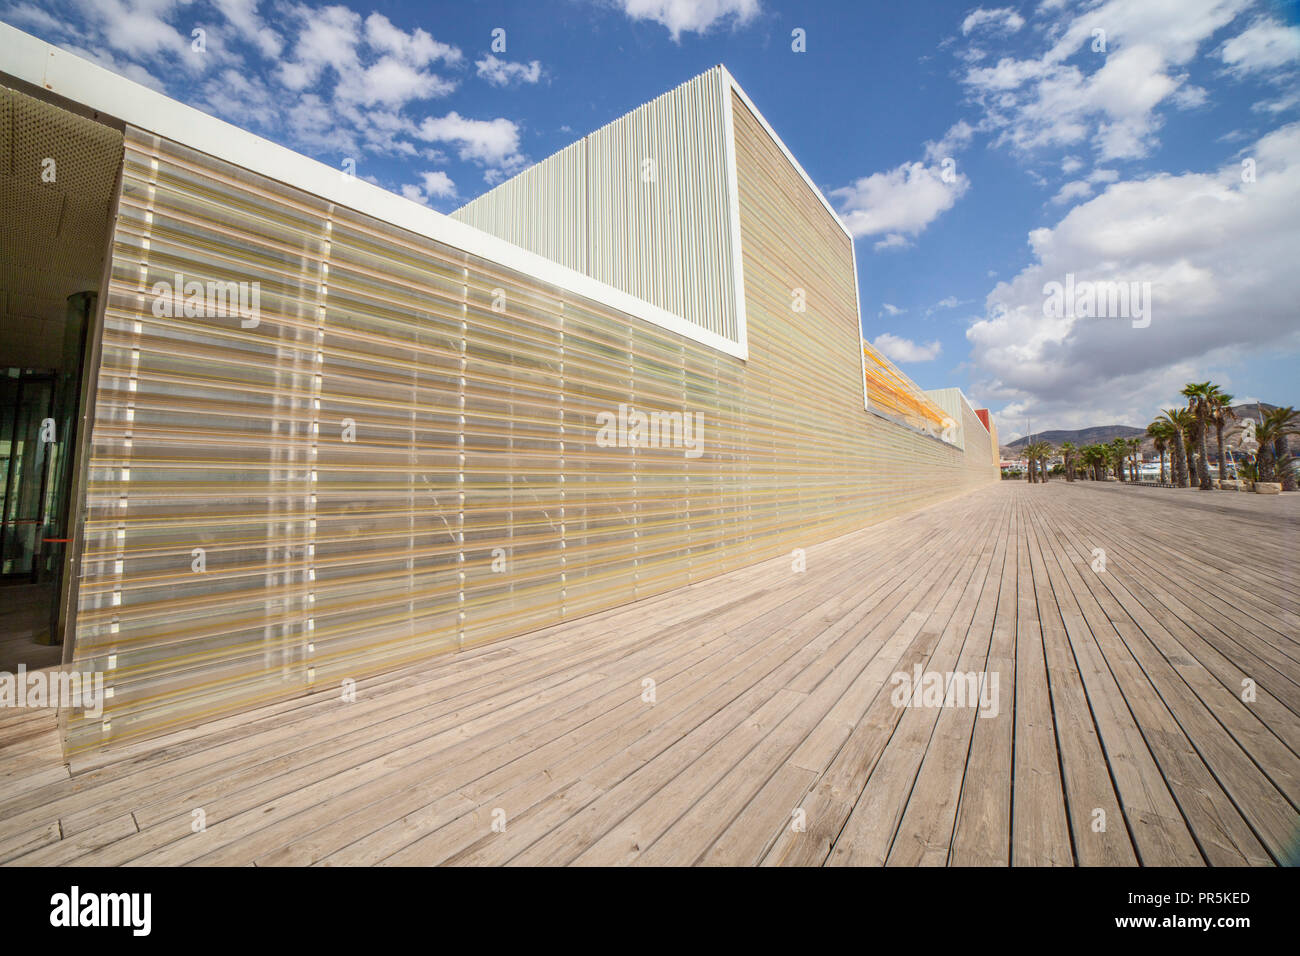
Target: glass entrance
<point>29,456</point>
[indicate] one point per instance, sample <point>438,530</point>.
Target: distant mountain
<point>1080,436</point>
<point>1101,434</point>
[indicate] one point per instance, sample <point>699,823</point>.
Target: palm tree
<point>1088,456</point>
<point>1068,450</point>
<point>1118,456</point>
<point>1100,457</point>
<point>1035,453</point>
<point>1045,451</point>
<point>1161,433</point>
<point>1199,395</point>
<point>1177,419</point>
<point>1220,414</point>
<point>1274,458</point>
<point>1135,452</point>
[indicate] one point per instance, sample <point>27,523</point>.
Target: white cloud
<point>1082,188</point>
<point>327,38</point>
<point>242,98</point>
<point>1078,189</point>
<point>132,71</point>
<point>1189,97</point>
<point>1284,103</point>
<point>491,143</point>
<point>243,16</point>
<point>891,241</point>
<point>503,72</point>
<point>691,16</point>
<point>390,82</point>
<point>137,28</point>
<point>898,349</point>
<point>888,309</point>
<point>434,184</point>
<point>1219,256</point>
<point>953,142</point>
<point>30,15</point>
<point>901,202</point>
<point>1072,94</point>
<point>1000,20</point>
<point>1265,45</point>
<point>948,302</point>
<point>416,48</point>
<point>374,63</point>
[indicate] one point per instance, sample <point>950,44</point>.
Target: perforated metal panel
<point>57,175</point>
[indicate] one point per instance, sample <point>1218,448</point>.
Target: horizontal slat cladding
<point>641,204</point>
<point>403,455</point>
<point>803,381</point>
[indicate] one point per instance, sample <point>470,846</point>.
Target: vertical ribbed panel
<point>543,209</point>
<point>660,221</point>
<point>403,456</point>
<point>955,409</point>
<point>640,204</point>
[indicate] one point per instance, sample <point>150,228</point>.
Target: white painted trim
<point>731,80</point>
<point>862,336</point>
<point>733,198</point>
<point>47,67</point>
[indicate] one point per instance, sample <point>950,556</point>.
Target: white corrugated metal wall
<point>641,204</point>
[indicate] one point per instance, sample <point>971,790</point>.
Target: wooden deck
<point>1121,734</point>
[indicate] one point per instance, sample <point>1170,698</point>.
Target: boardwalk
<point>770,734</point>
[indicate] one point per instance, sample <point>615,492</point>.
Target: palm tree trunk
<point>1285,467</point>
<point>1180,461</point>
<point>1264,462</point>
<point>1218,434</point>
<point>1206,484</point>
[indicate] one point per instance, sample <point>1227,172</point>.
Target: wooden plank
<point>1118,692</point>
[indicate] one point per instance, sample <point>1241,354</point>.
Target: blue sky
<point>977,153</point>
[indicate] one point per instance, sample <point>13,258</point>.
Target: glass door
<point>28,436</point>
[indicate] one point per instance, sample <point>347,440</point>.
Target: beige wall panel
<point>387,466</point>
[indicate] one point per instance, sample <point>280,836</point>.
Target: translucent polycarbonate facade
<point>891,393</point>
<point>405,450</point>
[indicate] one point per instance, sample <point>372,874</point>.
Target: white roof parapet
<point>47,67</point>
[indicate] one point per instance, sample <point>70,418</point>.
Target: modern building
<point>287,429</point>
